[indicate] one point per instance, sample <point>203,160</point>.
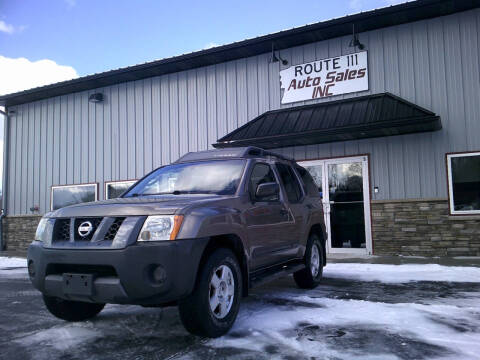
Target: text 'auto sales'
<point>327,77</point>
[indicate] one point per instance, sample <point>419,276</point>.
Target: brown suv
<point>198,233</point>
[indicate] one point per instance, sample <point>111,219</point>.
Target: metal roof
<point>364,21</point>
<point>347,119</point>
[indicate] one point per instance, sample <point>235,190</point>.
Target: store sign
<point>327,77</point>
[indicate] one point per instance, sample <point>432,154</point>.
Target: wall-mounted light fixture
<point>95,98</point>
<point>274,58</point>
<point>355,42</point>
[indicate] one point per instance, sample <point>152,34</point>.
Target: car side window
<point>310,187</point>
<point>290,182</point>
<point>261,173</point>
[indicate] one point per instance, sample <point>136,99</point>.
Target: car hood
<point>137,206</point>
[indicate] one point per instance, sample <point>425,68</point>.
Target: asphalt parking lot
<point>362,311</point>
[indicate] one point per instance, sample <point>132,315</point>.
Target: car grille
<point>99,270</point>
<point>61,229</point>
<point>112,231</point>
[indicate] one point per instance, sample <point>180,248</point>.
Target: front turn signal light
<point>177,223</point>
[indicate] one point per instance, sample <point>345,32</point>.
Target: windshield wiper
<point>176,192</point>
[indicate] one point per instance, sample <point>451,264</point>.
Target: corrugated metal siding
<point>147,123</point>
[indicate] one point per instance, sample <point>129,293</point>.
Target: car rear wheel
<point>311,275</point>
<point>71,310</point>
<point>213,306</point>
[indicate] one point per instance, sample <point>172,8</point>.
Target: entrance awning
<point>348,119</point>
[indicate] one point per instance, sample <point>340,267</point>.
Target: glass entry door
<point>344,188</point>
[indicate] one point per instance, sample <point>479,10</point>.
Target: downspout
<point>5,175</point>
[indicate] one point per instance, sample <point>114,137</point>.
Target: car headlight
<point>160,228</point>
<point>44,230</point>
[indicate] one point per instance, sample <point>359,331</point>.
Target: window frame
<point>448,158</point>
<point>297,177</point>
<point>304,185</point>
<point>131,181</point>
<point>95,184</point>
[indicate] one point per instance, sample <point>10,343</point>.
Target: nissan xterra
<point>198,233</point>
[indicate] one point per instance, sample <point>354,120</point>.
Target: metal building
<point>397,150</point>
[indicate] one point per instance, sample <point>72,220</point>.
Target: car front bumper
<point>144,273</point>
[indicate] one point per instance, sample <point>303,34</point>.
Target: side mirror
<point>267,190</point>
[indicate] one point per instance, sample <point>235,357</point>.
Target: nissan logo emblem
<point>85,228</point>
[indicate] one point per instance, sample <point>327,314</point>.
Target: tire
<point>196,311</point>
<point>309,277</point>
<point>71,310</point>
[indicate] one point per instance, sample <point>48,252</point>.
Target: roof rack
<point>233,152</point>
<point>259,152</point>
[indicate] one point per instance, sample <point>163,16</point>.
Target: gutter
<point>4,176</point>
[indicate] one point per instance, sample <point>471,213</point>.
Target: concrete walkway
<point>400,260</point>
<point>20,254</point>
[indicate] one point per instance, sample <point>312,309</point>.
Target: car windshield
<point>207,177</point>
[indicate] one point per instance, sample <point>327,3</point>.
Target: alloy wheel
<point>315,261</point>
<point>222,291</point>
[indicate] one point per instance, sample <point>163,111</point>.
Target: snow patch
<point>9,262</point>
<point>402,273</point>
<point>278,320</point>
<point>12,267</point>
<point>413,324</point>
<point>62,338</point>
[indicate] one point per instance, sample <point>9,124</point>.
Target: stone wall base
<point>19,231</point>
<point>410,228</point>
<point>423,228</point>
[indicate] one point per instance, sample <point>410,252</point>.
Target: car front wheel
<point>213,306</point>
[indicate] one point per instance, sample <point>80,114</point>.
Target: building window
<point>113,189</point>
<point>464,183</point>
<point>65,195</point>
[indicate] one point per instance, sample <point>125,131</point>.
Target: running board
<point>275,273</point>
